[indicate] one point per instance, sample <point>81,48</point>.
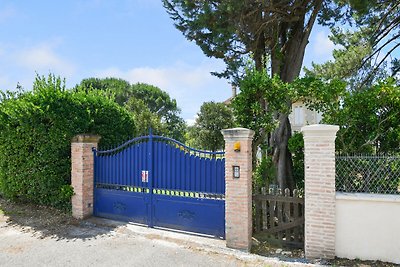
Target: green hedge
<point>36,129</point>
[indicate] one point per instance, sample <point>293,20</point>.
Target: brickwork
<point>82,174</point>
<point>238,191</point>
<point>319,183</point>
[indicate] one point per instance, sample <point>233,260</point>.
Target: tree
<point>206,132</point>
<point>369,120</point>
<point>144,118</point>
<point>368,51</point>
<point>118,88</point>
<point>161,104</point>
<point>276,32</point>
<point>151,98</point>
<point>314,92</point>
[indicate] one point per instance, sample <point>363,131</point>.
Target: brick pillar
<point>82,174</point>
<point>238,194</point>
<point>319,185</point>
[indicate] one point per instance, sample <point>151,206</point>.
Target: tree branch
<point>378,134</point>
<point>380,63</point>
<point>377,51</point>
<point>317,6</point>
<point>384,17</point>
<point>387,30</point>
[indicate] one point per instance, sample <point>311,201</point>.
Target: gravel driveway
<point>99,246</point>
<point>31,236</point>
<point>115,248</point>
<point>37,236</point>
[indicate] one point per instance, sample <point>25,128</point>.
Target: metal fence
<point>368,174</point>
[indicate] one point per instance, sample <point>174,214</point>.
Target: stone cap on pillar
<point>320,130</point>
<point>86,138</point>
<point>237,133</point>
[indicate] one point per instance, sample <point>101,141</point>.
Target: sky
<point>130,39</point>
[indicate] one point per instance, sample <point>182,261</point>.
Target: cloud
<point>176,78</point>
<point>190,122</point>
<point>43,58</point>
<point>322,46</point>
<point>23,61</point>
<point>189,85</point>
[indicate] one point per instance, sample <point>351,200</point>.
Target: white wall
<point>301,116</point>
<point>368,227</point>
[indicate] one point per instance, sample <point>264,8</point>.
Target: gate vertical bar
<point>150,178</point>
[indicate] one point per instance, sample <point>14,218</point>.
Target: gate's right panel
<point>188,188</point>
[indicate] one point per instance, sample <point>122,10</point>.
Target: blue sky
<point>130,39</point>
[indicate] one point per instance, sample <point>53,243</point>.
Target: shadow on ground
<point>45,222</point>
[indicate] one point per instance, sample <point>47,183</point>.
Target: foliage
<point>296,147</point>
<point>159,110</point>
<point>368,174</point>
<point>347,61</point>
<point>117,88</point>
<point>36,129</point>
<point>277,33</point>
<point>144,118</point>
<point>262,99</point>
<point>191,137</point>
<point>206,132</point>
<point>369,120</point>
<point>264,174</point>
<point>368,51</point>
<point>257,92</point>
<point>274,34</point>
<point>161,104</point>
<point>233,30</point>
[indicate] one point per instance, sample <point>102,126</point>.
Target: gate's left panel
<point>121,184</point>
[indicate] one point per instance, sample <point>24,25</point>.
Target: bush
<point>264,174</point>
<point>36,129</point>
<point>296,147</point>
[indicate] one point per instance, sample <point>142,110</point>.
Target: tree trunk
<point>282,157</point>
<point>289,69</point>
<point>287,49</point>
<point>259,64</point>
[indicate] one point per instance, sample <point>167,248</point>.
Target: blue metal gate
<point>160,182</point>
